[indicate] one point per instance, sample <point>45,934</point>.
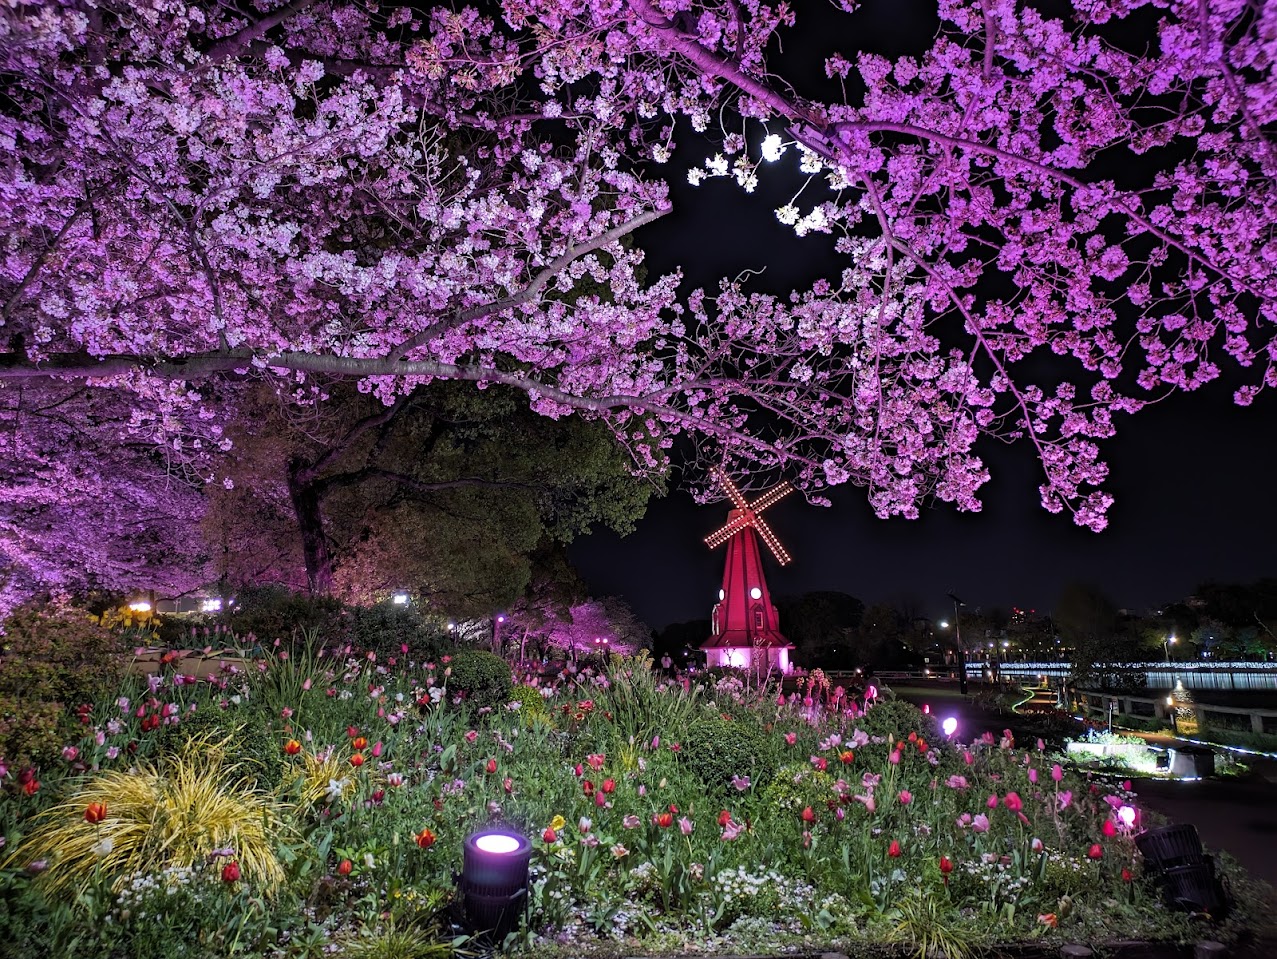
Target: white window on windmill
<point>758,617</point>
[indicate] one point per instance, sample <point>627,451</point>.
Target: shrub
<point>716,749</point>
<point>482,678</point>
<point>175,813</point>
<point>54,659</point>
<point>249,747</point>
<point>273,612</point>
<point>532,707</point>
<point>899,718</point>
<point>386,629</point>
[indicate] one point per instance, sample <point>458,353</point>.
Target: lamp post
<point>962,653</point>
<point>1166,646</point>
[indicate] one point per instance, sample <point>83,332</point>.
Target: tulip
<point>1057,773</point>
<point>550,836</point>
<point>357,760</point>
<point>1013,801</point>
<point>664,819</point>
<point>377,749</point>
<point>894,758</point>
<point>1033,775</point>
<point>609,785</point>
<point>95,812</point>
<point>992,801</point>
<point>230,872</point>
<point>685,826</point>
<point>508,785</point>
<point>600,800</point>
<point>724,818</point>
<point>352,731</point>
<point>492,766</point>
<point>1095,852</point>
<point>946,867</point>
<point>359,743</point>
<point>847,757</point>
<point>292,747</point>
<point>1127,875</point>
<point>425,839</point>
<point>587,787</point>
<point>894,849</point>
<point>906,797</point>
<point>809,814</point>
<point>1109,829</point>
<point>791,738</point>
<point>344,867</point>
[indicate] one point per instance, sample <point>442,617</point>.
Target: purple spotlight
<point>494,881</point>
<point>950,726</point>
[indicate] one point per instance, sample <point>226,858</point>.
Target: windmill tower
<point>745,628</point>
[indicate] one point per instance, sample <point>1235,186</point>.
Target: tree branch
<point>537,284</point>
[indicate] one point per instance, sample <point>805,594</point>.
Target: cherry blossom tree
<point>1048,219</point>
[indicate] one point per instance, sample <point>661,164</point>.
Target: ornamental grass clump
<point>183,811</point>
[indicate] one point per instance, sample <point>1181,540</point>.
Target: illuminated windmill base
<point>745,626</point>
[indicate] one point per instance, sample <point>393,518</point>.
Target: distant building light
<point>400,599</point>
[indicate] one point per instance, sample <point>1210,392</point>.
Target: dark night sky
<point>1192,475</point>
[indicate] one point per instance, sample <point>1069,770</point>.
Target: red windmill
<point>746,629</point>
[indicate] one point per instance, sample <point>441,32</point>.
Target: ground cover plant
<point>315,802</point>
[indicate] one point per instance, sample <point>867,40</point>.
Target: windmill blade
<point>727,531</point>
<point>773,495</point>
<point>765,531</point>
<point>729,487</point>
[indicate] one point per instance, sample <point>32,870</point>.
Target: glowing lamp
<point>926,709</point>
<point>950,726</point>
<point>211,606</point>
<point>1127,815</point>
<point>140,606</point>
<point>755,593</point>
<point>494,881</point>
<point>400,599</point>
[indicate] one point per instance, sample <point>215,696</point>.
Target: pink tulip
<point>791,738</point>
<point>1057,773</point>
<point>1033,775</point>
<point>980,823</point>
<point>685,826</point>
<point>377,749</point>
<point>992,801</point>
<point>906,797</point>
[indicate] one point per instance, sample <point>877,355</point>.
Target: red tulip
<point>946,867</point>
<point>357,760</point>
<point>425,838</point>
<point>492,766</point>
<point>894,849</point>
<point>664,819</point>
<point>359,743</point>
<point>809,814</point>
<point>609,785</point>
<point>230,872</point>
<point>31,787</point>
<point>292,747</point>
<point>587,787</point>
<point>847,756</point>
<point>1096,851</point>
<point>1109,828</point>
<point>344,867</point>
<point>352,731</point>
<point>95,812</point>
<point>1127,876</point>
<point>550,836</point>
<point>724,818</point>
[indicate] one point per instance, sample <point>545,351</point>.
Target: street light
<point>1166,645</point>
<point>957,639</point>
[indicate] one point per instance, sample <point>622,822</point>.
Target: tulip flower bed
<point>318,805</point>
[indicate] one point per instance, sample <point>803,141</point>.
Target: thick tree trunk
<point>306,498</point>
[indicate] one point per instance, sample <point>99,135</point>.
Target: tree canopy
<point>1051,217</point>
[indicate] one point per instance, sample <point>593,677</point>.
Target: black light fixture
<point>494,881</point>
